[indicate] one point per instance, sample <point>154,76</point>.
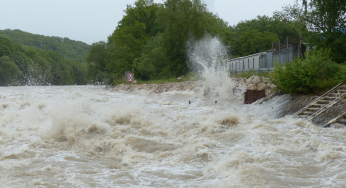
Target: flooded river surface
<point>87,136</point>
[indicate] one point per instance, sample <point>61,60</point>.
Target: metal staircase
<point>323,102</point>
<point>338,122</point>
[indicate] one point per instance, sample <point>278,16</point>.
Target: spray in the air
<point>208,56</point>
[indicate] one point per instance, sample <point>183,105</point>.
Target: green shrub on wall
<point>341,75</point>
<point>314,74</point>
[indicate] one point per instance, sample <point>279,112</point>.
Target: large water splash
<point>208,56</point>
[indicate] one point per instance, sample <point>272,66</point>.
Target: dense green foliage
<point>32,66</point>
<point>152,38</point>
<point>322,24</point>
<point>72,50</point>
<point>257,35</point>
<point>316,73</point>
<point>8,70</point>
<point>253,41</point>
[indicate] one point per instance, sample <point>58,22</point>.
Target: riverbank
<point>160,88</point>
<point>295,103</point>
<point>298,102</point>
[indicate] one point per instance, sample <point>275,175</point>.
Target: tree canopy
<point>152,38</point>
<point>72,50</point>
<point>21,65</point>
<point>323,25</point>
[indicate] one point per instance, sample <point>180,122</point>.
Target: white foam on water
<point>87,136</point>
<point>83,136</point>
<point>209,56</point>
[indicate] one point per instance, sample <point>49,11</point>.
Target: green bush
<point>341,75</point>
<point>314,74</point>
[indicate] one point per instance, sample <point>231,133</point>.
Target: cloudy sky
<point>94,20</point>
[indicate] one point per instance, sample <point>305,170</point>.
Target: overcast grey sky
<point>94,20</point>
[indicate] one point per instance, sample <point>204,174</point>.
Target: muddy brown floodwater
<point>86,136</point>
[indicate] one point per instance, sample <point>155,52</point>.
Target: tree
<point>132,33</point>
<point>6,47</point>
<point>74,50</point>
<point>185,20</point>
<point>323,24</point>
<point>79,71</point>
<point>256,35</point>
<point>97,61</point>
<point>8,71</point>
<point>253,41</point>
<point>277,24</point>
<point>153,62</point>
<point>36,66</point>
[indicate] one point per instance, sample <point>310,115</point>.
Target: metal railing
<point>326,106</point>
<point>316,100</point>
<point>335,119</point>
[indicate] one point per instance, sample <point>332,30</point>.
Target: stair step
<point>333,95</point>
<point>337,94</point>
<point>342,121</point>
<point>323,102</point>
<point>330,98</point>
<point>303,116</point>
<point>306,113</point>
<point>316,106</point>
<point>312,109</point>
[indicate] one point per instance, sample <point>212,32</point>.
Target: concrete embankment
<point>298,102</point>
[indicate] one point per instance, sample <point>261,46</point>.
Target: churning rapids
<point>87,136</point>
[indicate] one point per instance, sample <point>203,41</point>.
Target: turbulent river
<point>87,136</point>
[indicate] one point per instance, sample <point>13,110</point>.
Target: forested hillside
<point>152,39</point>
<point>72,50</point>
<point>24,65</point>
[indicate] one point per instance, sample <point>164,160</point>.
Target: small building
<point>263,61</point>
<point>250,62</point>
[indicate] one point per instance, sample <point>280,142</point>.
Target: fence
<point>264,61</point>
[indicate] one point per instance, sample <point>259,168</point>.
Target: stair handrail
<point>325,106</point>
<point>316,100</point>
<point>335,119</point>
